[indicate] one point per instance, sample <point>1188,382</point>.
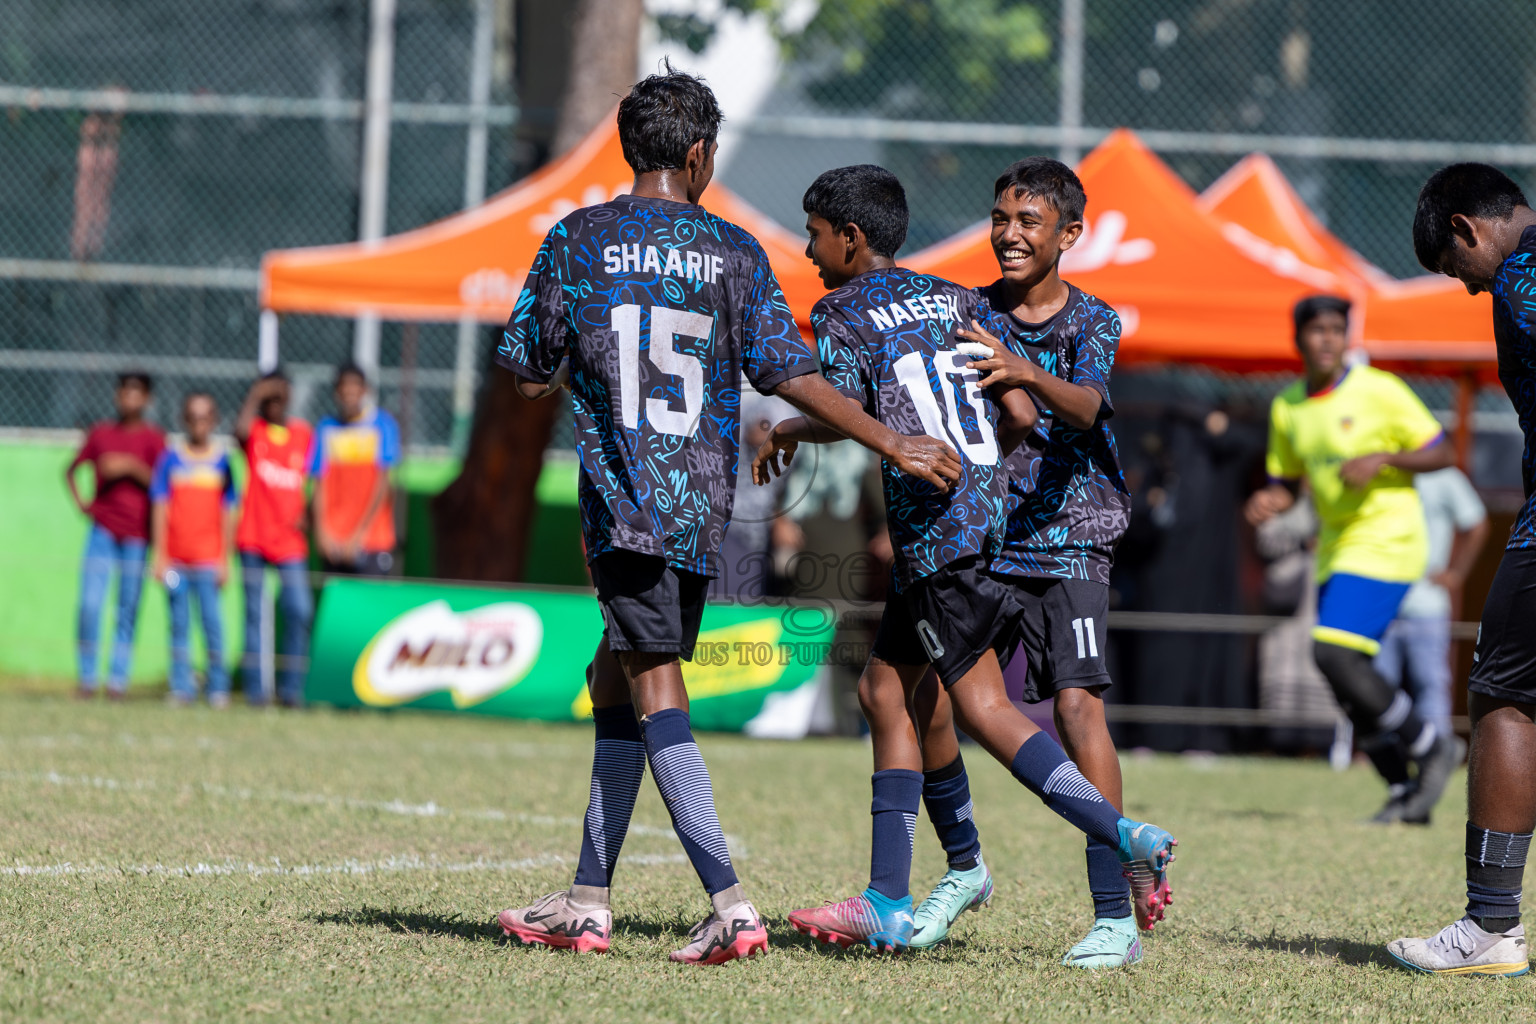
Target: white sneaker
<point>1462,947</point>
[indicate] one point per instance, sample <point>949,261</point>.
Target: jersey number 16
<point>948,366</point>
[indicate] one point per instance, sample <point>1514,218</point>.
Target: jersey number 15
<point>666,325</point>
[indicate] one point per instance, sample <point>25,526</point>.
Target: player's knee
<point>877,700</point>
<point>1078,712</point>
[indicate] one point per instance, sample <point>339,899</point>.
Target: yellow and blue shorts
<point>1355,611</point>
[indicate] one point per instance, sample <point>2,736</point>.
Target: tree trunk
<point>484,518</point>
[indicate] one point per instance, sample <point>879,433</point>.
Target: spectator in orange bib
<point>273,533</point>
<point>192,519</point>
<point>352,456</point>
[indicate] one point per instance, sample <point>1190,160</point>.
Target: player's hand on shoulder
<point>1002,366</point>
<point>927,459</point>
<point>766,463</point>
<point>1362,469</point>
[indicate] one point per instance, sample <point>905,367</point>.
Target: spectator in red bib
<point>122,453</point>
<point>272,534</point>
<point>193,519</point>
<point>353,454</point>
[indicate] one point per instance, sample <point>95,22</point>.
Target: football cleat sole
<point>745,946</point>
<point>527,936</point>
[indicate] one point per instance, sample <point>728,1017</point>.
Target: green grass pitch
<point>163,864</point>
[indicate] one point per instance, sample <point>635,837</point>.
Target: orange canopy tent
<point>1429,322</point>
<point>474,262</point>
<point>1184,291</point>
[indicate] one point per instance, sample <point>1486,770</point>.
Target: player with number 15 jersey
<point>662,307</point>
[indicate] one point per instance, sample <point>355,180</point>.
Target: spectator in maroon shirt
<point>123,453</point>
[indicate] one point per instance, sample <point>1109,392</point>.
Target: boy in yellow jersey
<point>1358,435</point>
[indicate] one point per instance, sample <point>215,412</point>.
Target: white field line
<point>511,749</point>
<point>430,809</point>
<point>389,865</point>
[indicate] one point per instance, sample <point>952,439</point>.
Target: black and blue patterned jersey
<point>1514,333</point>
<point>661,308</point>
<point>1072,504</point>
<point>887,340</point>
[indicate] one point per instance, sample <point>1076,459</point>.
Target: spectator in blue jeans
<point>123,453</point>
<point>193,519</point>
<point>1416,652</point>
<point>272,533</point>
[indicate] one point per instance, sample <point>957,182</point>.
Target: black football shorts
<point>1504,660</point>
<point>1062,626</point>
<point>949,620</point>
<point>647,604</point>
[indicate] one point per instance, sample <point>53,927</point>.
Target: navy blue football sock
<point>897,792</point>
<point>618,767</point>
<point>1107,883</point>
<point>1043,766</point>
<point>685,788</point>
<point>947,795</point>
<point>1495,873</point>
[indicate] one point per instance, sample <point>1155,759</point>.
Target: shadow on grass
<point>404,922</point>
<point>1346,951</point>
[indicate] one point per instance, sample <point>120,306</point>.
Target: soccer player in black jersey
<point>888,341</point>
<point>1058,343</point>
<point>1474,224</point>
<point>653,310</point>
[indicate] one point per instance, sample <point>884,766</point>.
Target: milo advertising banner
<point>523,653</point>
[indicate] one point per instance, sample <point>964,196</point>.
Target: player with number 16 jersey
<point>886,339</point>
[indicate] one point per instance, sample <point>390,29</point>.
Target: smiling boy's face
<point>1026,236</point>
<point>828,249</point>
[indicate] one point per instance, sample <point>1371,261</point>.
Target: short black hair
<point>863,194</point>
<point>1472,190</point>
<point>1313,306</point>
<point>138,377</point>
<point>1047,179</point>
<point>663,116</point>
<point>349,369</point>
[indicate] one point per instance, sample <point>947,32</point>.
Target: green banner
<point>523,654</point>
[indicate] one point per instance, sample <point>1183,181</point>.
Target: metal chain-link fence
<point>150,152</point>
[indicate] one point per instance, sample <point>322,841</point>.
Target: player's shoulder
<point>1520,264</point>
<point>838,304</point>
<point>1370,378</point>
<point>1292,394</point>
<point>1090,311</point>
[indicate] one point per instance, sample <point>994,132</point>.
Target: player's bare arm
<point>1075,404</point>
<point>785,438</point>
<point>1268,502</point>
<point>1362,469</point>
<point>921,456</point>
<point>1019,416</point>
<point>261,390</point>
